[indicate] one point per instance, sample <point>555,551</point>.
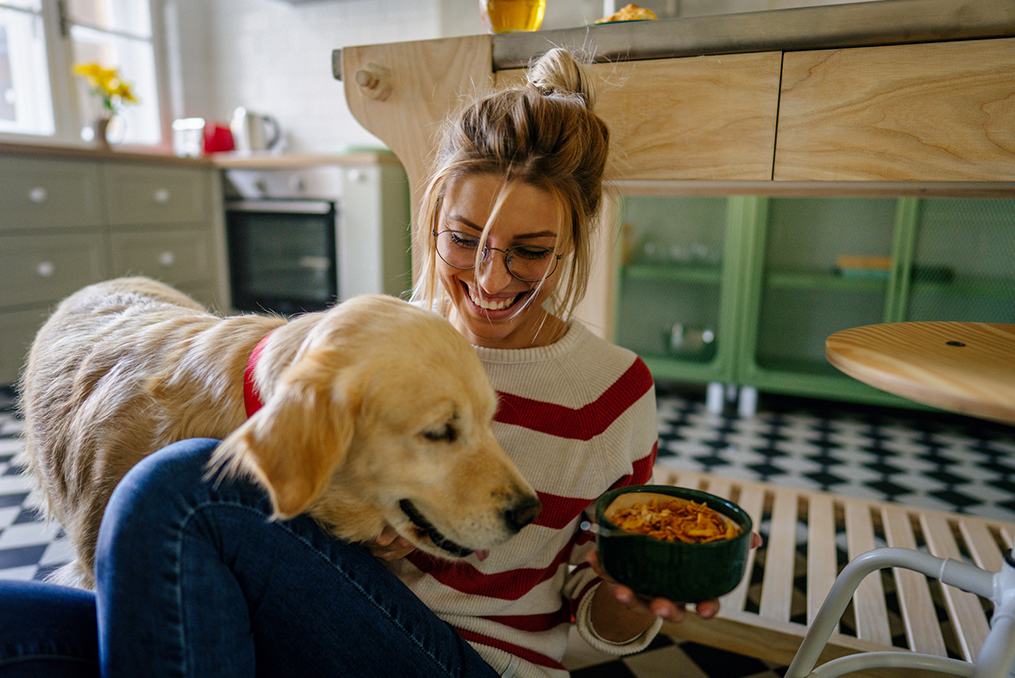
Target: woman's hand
<point>390,545</point>
<point>632,614</point>
<point>628,607</point>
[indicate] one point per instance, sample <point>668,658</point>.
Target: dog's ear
<point>293,444</point>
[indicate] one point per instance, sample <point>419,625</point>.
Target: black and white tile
<point>918,458</point>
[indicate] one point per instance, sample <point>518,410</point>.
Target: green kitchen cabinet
<point>959,254</point>
<point>767,279</point>
<point>794,294</point>
<point>681,260</point>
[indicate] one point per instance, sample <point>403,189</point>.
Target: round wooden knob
<point>374,81</point>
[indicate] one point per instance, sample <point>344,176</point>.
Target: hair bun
<point>561,73</point>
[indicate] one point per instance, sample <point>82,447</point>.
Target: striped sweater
<point>578,417</point>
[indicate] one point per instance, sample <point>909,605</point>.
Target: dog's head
<point>384,417</point>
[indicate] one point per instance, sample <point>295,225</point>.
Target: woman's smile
<point>490,304</point>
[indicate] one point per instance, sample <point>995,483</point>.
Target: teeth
<point>490,305</point>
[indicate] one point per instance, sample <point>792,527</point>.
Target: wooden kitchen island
<point>757,152</point>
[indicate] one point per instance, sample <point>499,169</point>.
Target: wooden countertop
<point>297,160</point>
<point>254,161</point>
<point>851,24</point>
<point>85,153</point>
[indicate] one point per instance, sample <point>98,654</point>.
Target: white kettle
<point>254,131</point>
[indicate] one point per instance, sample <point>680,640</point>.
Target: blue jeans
<point>47,630</point>
<point>193,579</point>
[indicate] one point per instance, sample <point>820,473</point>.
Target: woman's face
<point>492,308</point>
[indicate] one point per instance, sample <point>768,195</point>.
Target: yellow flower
<point>123,91</point>
<point>106,83</point>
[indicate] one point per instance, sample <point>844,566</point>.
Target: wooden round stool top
<point>957,366</point>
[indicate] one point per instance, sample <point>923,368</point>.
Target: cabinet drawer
<point>139,194</point>
<point>47,268</point>
<point>694,118</point>
<point>40,193</point>
<point>17,330</point>
<point>170,256</point>
<point>929,112</point>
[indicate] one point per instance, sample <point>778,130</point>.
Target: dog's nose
<point>522,513</point>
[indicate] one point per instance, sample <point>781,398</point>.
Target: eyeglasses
<point>524,262</point>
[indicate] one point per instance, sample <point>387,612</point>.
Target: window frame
<point>64,89</point>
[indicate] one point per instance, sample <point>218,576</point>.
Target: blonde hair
<point>544,133</point>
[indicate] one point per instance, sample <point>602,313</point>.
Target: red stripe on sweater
<point>584,538</point>
<point>558,511</point>
<point>462,576</point>
<point>641,472</point>
<point>583,423</point>
<point>535,623</point>
<point>523,652</point>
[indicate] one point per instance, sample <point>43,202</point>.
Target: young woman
<point>509,218</point>
<point>192,579</point>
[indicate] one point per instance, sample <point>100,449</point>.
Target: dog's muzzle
<point>515,517</point>
<point>438,539</point>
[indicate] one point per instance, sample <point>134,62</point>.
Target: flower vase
<point>101,128</point>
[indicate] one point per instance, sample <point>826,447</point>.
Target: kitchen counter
<point>857,24</point>
<point>218,160</point>
<point>85,153</point>
<point>266,161</point>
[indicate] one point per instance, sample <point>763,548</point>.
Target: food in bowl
<point>676,519</point>
<point>682,571</point>
<point>629,13</point>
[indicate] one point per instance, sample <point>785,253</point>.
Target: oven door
<point>282,255</point>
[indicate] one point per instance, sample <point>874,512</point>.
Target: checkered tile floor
<point>918,458</point>
<point>923,459</point>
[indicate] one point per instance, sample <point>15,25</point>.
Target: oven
<point>283,254</point>
<point>301,238</point>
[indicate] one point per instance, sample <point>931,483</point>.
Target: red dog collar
<point>251,398</point>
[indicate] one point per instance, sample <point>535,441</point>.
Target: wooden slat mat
<point>809,537</point>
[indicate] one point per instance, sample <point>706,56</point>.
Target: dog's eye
<point>446,433</point>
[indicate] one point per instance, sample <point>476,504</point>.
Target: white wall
<point>274,57</point>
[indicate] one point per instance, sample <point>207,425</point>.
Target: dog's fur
<point>367,406</point>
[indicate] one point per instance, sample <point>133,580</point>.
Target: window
<point>41,40</point>
<point>26,105</point>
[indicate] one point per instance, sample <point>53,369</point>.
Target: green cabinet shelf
<point>824,280</point>
<point>742,291</point>
<point>674,272</point>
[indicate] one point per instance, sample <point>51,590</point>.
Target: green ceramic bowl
<point>681,572</point>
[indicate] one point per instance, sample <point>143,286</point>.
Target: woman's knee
<point>160,489</point>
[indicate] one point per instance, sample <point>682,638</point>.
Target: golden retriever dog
<point>374,412</point>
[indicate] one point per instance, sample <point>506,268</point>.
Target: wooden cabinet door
<point>695,118</point>
<point>923,112</point>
